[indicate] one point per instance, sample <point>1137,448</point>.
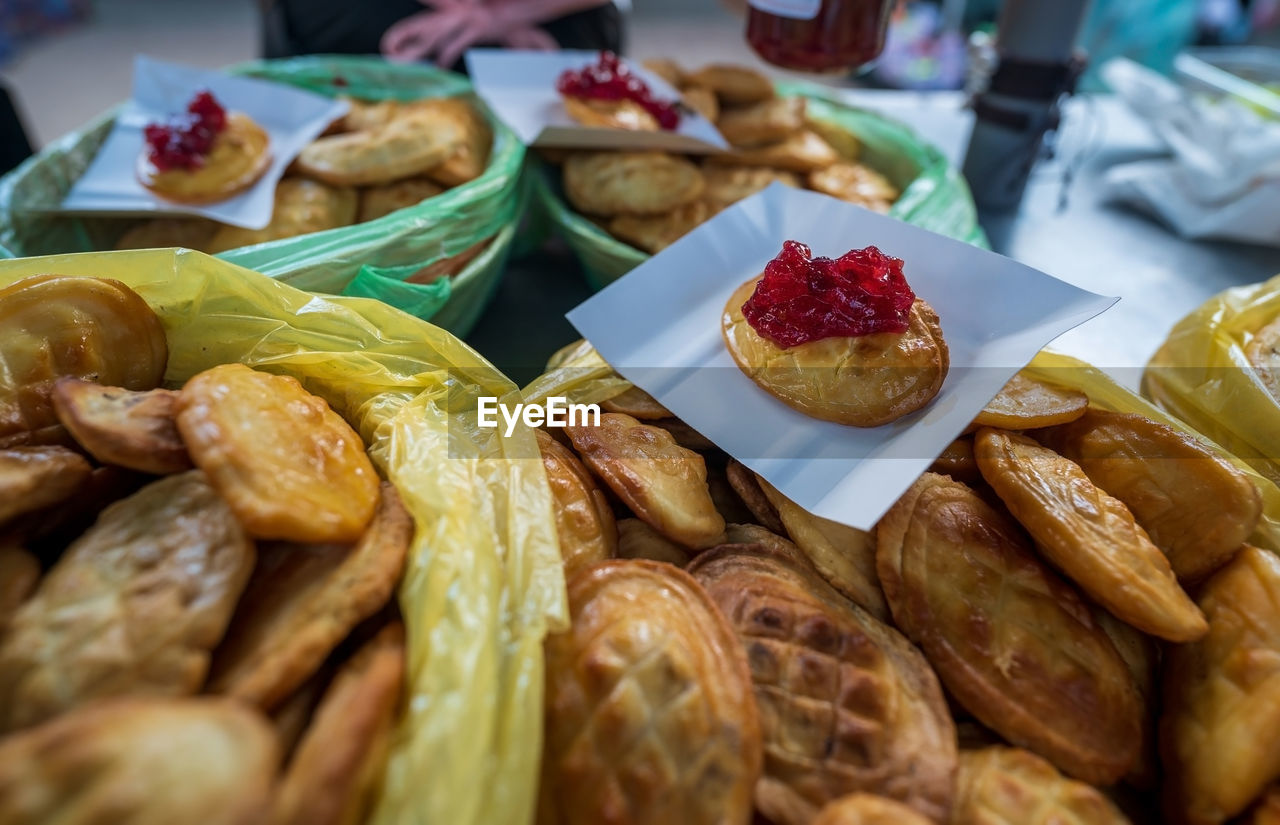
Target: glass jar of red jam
<point>818,35</point>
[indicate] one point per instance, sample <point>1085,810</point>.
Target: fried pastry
<point>135,430</point>
<point>610,114</point>
<point>663,483</point>
<point>726,185</point>
<point>1141,655</point>
<point>132,608</point>
<point>338,764</point>
<point>760,124</point>
<point>471,154</point>
<point>409,144</point>
<point>1003,786</point>
<point>288,465</point>
<point>1088,535</point>
<point>1263,352</point>
<point>1196,506</point>
<point>377,201</point>
<point>584,519</point>
<point>862,381</point>
<point>802,152</point>
<point>685,436</point>
<point>636,403</point>
<point>958,462</point>
<point>654,233</point>
<point>305,599</point>
<point>301,206</point>
<point>846,143</point>
<point>1222,697</point>
<point>240,155</point>
<point>291,717</point>
<point>630,183</point>
<point>32,478</point>
<point>754,534</point>
<point>56,325</point>
<point>734,85</point>
<point>19,572</point>
<point>649,712</point>
<point>1015,645</point>
<point>141,762</point>
<point>844,556</point>
<point>190,233</point>
<point>1024,403</point>
<point>867,809</point>
<point>747,485</point>
<point>846,703</point>
<point>667,69</point>
<point>366,115</point>
<point>728,504</point>
<point>637,540</point>
<point>855,183</point>
<point>1267,811</point>
<point>701,100</point>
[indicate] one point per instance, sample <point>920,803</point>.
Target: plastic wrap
<point>483,583</point>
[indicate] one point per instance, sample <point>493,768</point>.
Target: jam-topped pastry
<point>607,93</point>
<point>203,155</point>
<point>841,339</point>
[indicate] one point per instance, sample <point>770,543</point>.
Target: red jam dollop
<point>184,140</point>
<point>611,79</point>
<point>802,298</point>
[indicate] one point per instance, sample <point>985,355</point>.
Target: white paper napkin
<point>659,326</point>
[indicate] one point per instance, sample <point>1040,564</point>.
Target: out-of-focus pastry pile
<point>650,199</point>
<point>196,619</point>
<point>1061,622</point>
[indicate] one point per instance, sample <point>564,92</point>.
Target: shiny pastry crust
<point>1267,811</point>
<point>855,183</point>
<point>19,572</point>
<point>650,717</point>
<point>1024,403</point>
<point>760,124</point>
<point>365,115</point>
<point>654,233</point>
<point>1196,506</point>
<point>240,155</point>
<point>610,114</point>
<point>377,201</point>
<point>190,233</point>
<point>726,185</point>
<point>56,325</point>
<point>637,540</point>
<point>584,519</point>
<point>163,569</point>
<point>630,183</point>
<point>1263,352</point>
<point>301,206</point>
<point>734,85</point>
<point>843,555</point>
<point>846,703</point>
<point>32,478</point>
<point>1222,697</point>
<point>141,762</point>
<point>470,156</point>
<point>663,483</point>
<point>305,599</point>
<point>1087,534</point>
<point>288,465</point>
<point>685,436</point>
<point>1004,786</point>
<point>801,152</point>
<point>701,100</point>
<point>409,144</point>
<point>636,403</point>
<point>1141,654</point>
<point>667,69</point>
<point>747,485</point>
<point>862,381</point>
<point>867,809</point>
<point>134,430</point>
<point>958,462</point>
<point>1014,644</point>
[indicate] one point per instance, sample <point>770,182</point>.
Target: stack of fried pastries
<point>1061,623</point>
<point>651,199</point>
<point>196,581</point>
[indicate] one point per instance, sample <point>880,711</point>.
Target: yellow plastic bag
<point>483,584</point>
<point>1201,374</point>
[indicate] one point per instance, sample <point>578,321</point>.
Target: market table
<point>1105,248</point>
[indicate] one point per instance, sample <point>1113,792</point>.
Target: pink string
<point>450,27</point>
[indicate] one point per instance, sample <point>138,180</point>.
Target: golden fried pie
<point>1196,506</point>
<point>303,600</point>
<point>734,85</point>
<point>1222,697</point>
<point>958,462</point>
<point>135,430</point>
<point>868,809</point>
<point>846,703</point>
<point>191,233</point>
<point>337,767</point>
<point>1141,654</point>
<point>801,152</point>
<point>365,115</point>
<point>649,713</point>
<point>654,233</point>
<point>726,185</point>
<point>667,69</point>
<point>759,124</point>
<point>377,201</point>
<point>686,437</point>
<point>32,478</point>
<point>701,100</point>
<point>1088,535</point>
<point>288,465</point>
<point>241,153</point>
<point>132,608</point>
<point>19,572</point>
<point>1263,352</point>
<point>663,483</point>
<point>636,403</point>
<point>747,485</point>
<point>471,154</point>
<point>1010,786</point>
<point>56,325</point>
<point>637,540</point>
<point>301,206</point>
<point>843,555</point>
<point>584,519</point>
<point>1024,403</point>
<point>1015,645</point>
<point>409,144</point>
<point>610,114</point>
<point>141,762</point>
<point>630,183</point>
<point>855,183</point>
<point>1267,811</point>
<point>862,381</point>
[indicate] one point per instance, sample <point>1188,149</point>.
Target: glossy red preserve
<point>610,79</point>
<point>185,140</point>
<point>802,298</point>
<point>842,35</point>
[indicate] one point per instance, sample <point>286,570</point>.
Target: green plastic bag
<point>934,195</point>
<point>371,258</point>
